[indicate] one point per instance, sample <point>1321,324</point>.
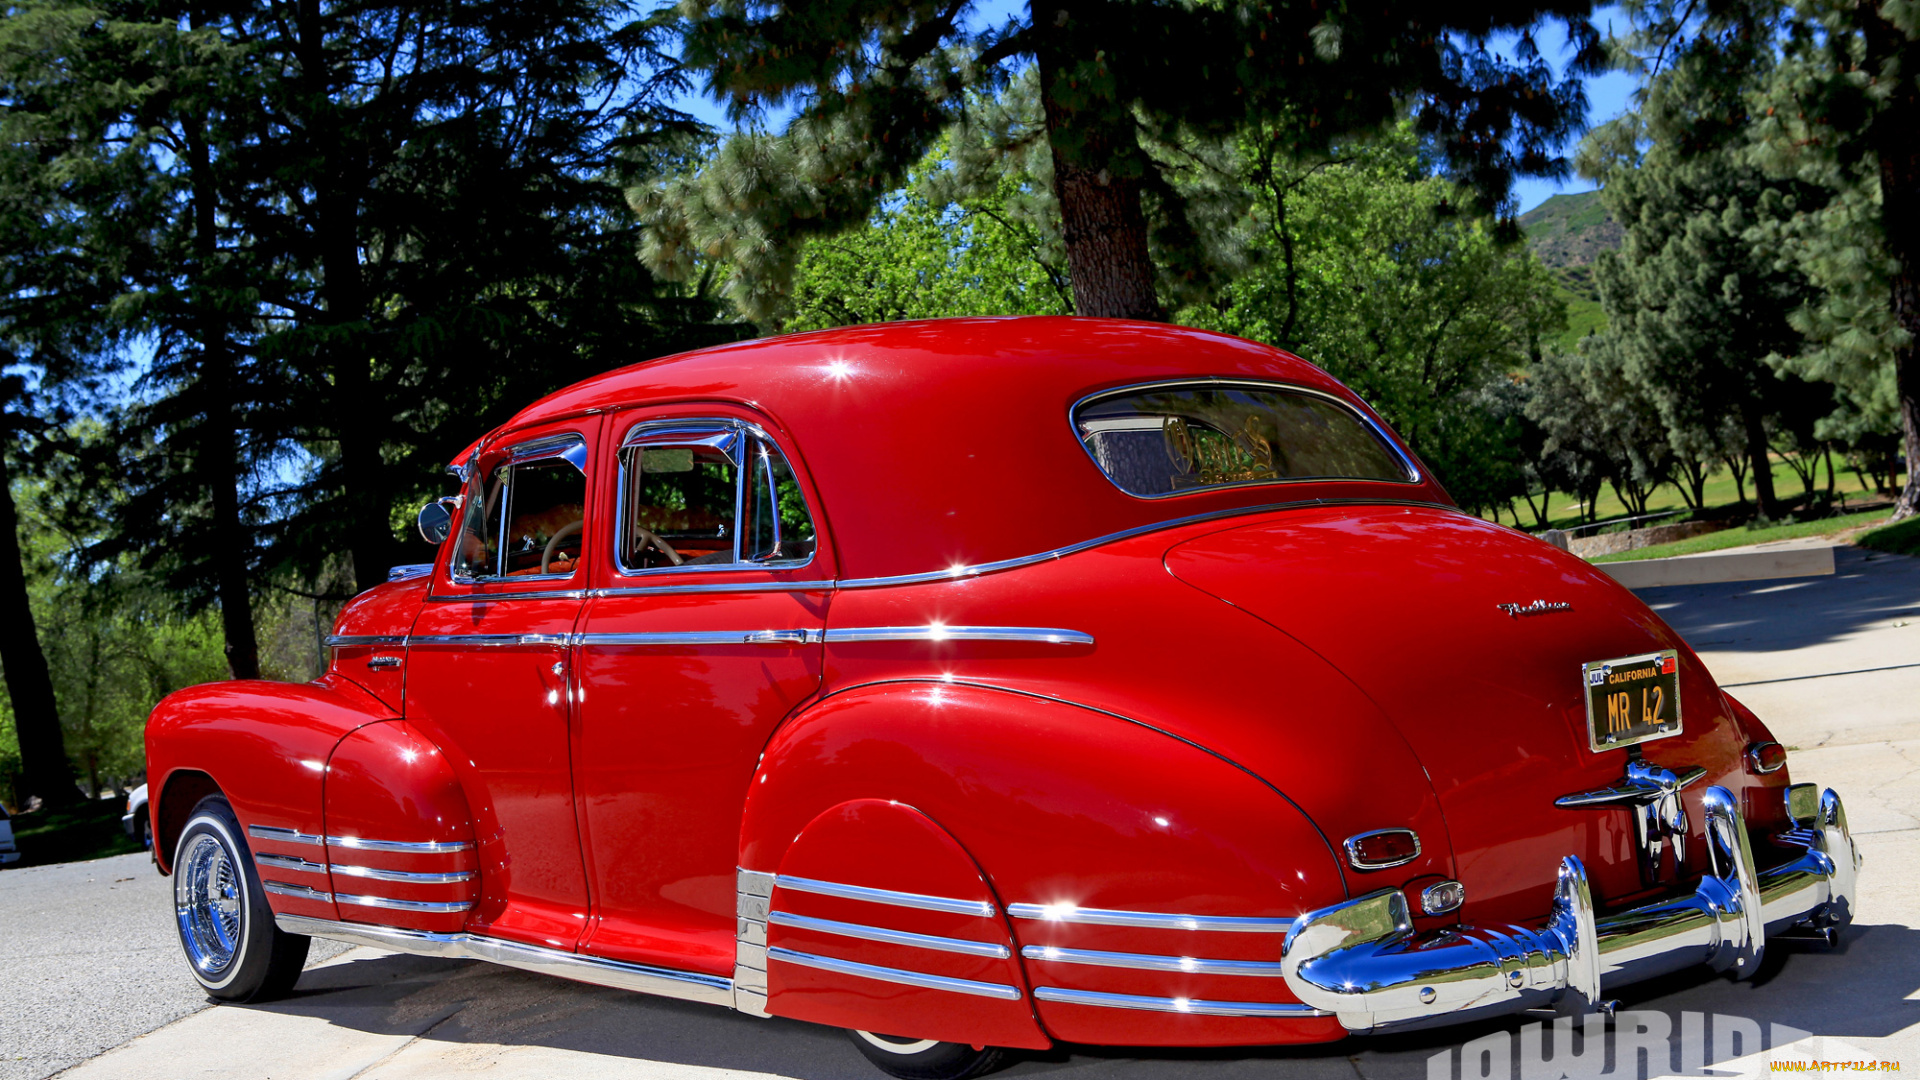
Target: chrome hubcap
<point>207,901</point>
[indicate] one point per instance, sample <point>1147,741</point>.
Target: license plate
<point>1632,699</point>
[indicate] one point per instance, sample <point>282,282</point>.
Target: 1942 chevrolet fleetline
<point>979,684</point>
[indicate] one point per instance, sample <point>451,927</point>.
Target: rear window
<point>1166,440</point>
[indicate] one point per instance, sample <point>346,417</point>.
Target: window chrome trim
<point>920,901</point>
<point>1036,634</point>
<point>1176,1005</point>
<point>1152,962</point>
<point>298,892</point>
<point>893,937</point>
<point>1406,459</point>
<point>405,876</point>
<point>426,847</point>
<point>337,641</point>
<point>431,907</point>
<point>1151,920</point>
<point>570,446</point>
<point>288,862</point>
<point>283,836</point>
<point>896,975</point>
<point>693,426</point>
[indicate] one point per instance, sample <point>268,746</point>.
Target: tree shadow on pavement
<point>1858,989</point>
<point>1867,587</point>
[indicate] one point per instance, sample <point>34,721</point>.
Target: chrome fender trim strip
<point>663,982</point>
<point>301,892</point>
<point>1150,962</point>
<point>336,641</point>
<point>288,862</point>
<point>895,975</point>
<point>888,896</point>
<point>1193,1006</point>
<point>433,907</point>
<point>408,877</point>
<point>1151,920</point>
<point>891,937</point>
<point>411,847</point>
<point>283,836</point>
<point>1033,634</point>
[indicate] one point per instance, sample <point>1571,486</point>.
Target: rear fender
<point>1056,805</point>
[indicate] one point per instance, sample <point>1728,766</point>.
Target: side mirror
<point>436,521</point>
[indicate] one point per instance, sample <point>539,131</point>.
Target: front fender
<point>1069,808</point>
<point>264,745</point>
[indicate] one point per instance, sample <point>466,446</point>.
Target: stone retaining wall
<point>1607,543</point>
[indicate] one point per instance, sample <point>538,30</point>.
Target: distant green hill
<point>1567,233</point>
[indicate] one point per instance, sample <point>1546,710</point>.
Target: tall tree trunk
<point>36,716</point>
<point>1756,430</point>
<point>356,409</point>
<point>1098,176</point>
<point>1895,137</point>
<point>219,455</point>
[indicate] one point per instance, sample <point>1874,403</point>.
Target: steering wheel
<point>560,534</point>
<point>652,541</point>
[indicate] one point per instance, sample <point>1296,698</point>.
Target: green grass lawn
<point>1901,539</point>
<point>91,830</point>
<point>1741,537</point>
<point>1720,491</point>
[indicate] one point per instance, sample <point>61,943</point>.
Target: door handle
<point>779,637</point>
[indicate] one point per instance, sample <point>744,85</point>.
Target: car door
<point>704,635</point>
<point>488,674</point>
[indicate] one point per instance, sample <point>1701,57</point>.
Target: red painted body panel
<point>1313,660</point>
<point>387,782</point>
<point>893,846</point>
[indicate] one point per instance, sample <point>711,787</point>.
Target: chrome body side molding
<point>702,637</point>
<point>663,982</point>
<point>1151,920</point>
<point>888,896</point>
<point>1193,1006</point>
<point>998,991</point>
<point>1036,634</point>
<point>891,937</point>
<point>1362,960</point>
<point>335,641</point>
<point>1152,962</point>
<point>283,836</point>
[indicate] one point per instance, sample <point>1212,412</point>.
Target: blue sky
<point>1607,96</point>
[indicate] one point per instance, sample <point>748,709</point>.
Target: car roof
<point>945,443</point>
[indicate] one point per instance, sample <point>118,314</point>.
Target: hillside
<point>1567,233</point>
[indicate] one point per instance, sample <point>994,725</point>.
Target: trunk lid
<point>1406,601</point>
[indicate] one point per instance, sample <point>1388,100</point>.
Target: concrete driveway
<point>1832,663</point>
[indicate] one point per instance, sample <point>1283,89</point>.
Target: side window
<point>526,514</point>
<point>708,493</point>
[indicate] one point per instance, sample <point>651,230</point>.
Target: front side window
<point>1167,440</point>
<point>526,516</point>
<point>708,493</point>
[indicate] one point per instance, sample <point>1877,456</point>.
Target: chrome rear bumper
<point>1363,961</point>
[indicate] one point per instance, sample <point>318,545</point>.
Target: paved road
<point>1833,664</point>
<point>88,960</point>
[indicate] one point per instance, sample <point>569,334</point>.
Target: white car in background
<point>139,825</point>
<point>8,852</point>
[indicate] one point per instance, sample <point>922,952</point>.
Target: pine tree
<point>1118,81</point>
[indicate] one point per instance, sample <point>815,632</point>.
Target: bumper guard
<point>1362,960</point>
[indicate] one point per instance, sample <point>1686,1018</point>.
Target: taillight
<point>1766,757</point>
<point>1382,848</point>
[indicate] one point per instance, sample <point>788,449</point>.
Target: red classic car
<point>979,684</point>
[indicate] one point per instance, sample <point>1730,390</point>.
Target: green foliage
<point>918,258</point>
<point>1367,268</point>
<point>1902,538</point>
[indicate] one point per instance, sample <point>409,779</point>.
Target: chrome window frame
<point>1415,475</point>
<point>562,446</point>
<point>694,426</point>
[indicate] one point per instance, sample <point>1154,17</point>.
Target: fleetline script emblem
<point>1538,607</point>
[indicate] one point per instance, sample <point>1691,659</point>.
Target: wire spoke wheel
<point>210,904</point>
